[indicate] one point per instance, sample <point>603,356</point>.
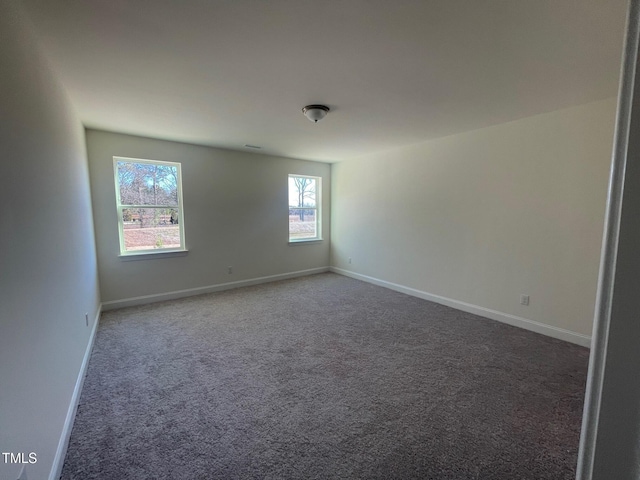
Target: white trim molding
<point>63,444</point>
<point>610,431</point>
<point>507,318</point>
<point>159,297</point>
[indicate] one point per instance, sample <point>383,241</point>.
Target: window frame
<point>317,208</point>
<point>120,207</point>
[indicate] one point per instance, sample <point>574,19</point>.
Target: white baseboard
<point>61,452</point>
<point>549,330</point>
<point>159,297</point>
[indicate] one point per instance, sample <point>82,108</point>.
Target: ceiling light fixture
<point>315,112</point>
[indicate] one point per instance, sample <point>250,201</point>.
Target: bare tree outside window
<point>303,208</point>
<point>149,204</point>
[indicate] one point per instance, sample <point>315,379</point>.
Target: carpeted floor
<point>324,377</point>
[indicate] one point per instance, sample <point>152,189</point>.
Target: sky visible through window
<point>148,205</point>
<point>303,209</point>
<point>308,187</point>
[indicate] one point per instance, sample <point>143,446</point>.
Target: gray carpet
<point>324,377</point>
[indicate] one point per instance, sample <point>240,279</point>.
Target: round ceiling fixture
<point>315,112</point>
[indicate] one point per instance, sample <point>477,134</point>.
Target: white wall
<point>48,278</point>
<point>235,214</point>
<point>484,216</point>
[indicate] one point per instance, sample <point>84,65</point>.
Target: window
<point>149,203</point>
<point>304,208</point>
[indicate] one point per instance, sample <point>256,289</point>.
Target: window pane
<point>302,192</point>
<point>147,184</point>
<point>150,228</point>
<point>302,223</point>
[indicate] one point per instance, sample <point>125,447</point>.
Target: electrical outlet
<point>229,270</point>
<point>524,299</point>
<point>86,319</point>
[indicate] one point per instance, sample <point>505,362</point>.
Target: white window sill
<point>152,255</point>
<point>311,241</point>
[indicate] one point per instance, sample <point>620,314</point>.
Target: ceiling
<point>227,73</point>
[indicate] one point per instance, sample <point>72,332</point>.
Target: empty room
<point>302,239</point>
